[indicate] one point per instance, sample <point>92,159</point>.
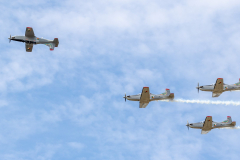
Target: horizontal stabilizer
<point>56,42</point>
<point>233,123</point>
<point>171,95</point>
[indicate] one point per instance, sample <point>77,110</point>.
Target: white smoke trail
<point>237,127</point>
<point>205,102</point>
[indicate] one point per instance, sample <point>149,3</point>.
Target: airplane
<point>30,39</point>
<point>145,97</point>
<point>219,87</point>
<point>208,124</point>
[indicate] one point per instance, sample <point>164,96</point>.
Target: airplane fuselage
<point>153,97</point>
<point>31,40</point>
<point>226,87</point>
<point>199,125</point>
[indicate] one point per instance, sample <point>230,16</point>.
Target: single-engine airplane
<point>219,87</point>
<point>208,124</point>
<point>145,97</point>
<point>30,39</point>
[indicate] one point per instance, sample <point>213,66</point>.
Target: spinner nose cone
<point>199,87</point>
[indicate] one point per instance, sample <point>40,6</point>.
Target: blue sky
<point>67,104</point>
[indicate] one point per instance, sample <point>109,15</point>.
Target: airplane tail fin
<point>229,120</point>
<point>167,91</point>
<point>56,42</point>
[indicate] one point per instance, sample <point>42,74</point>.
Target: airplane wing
<point>218,88</point>
<point>216,94</point>
<point>143,105</point>
<point>28,47</point>
<point>207,125</point>
<point>145,97</point>
<point>50,45</point>
<point>205,132</point>
<point>29,32</point>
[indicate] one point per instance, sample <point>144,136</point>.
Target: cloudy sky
<point>67,103</point>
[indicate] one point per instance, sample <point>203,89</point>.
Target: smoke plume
<point>234,103</point>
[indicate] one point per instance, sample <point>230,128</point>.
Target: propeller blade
<point>198,87</point>
<point>125,97</point>
<point>187,125</point>
<point>10,38</point>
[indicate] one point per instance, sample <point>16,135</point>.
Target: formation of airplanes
<point>30,39</point>
<point>145,97</point>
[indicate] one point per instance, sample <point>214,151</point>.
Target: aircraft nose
<point>199,87</point>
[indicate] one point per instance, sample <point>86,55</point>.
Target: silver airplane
<point>145,97</point>
<point>208,124</point>
<point>30,39</point>
<point>219,87</point>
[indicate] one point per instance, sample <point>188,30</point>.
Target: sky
<point>68,103</point>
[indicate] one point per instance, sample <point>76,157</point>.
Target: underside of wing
<point>142,105</point>
<point>28,47</point>
<point>218,88</point>
<point>216,94</point>
<point>29,32</point>
<point>145,96</point>
<point>207,125</point>
<point>205,132</point>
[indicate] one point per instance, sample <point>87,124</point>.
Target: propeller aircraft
<point>219,87</point>
<point>30,39</point>
<point>208,124</point>
<point>145,97</point>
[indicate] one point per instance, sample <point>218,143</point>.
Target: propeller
<point>10,38</point>
<point>187,125</point>
<point>198,87</point>
<point>125,97</point>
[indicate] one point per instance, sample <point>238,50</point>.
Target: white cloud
<point>76,145</point>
